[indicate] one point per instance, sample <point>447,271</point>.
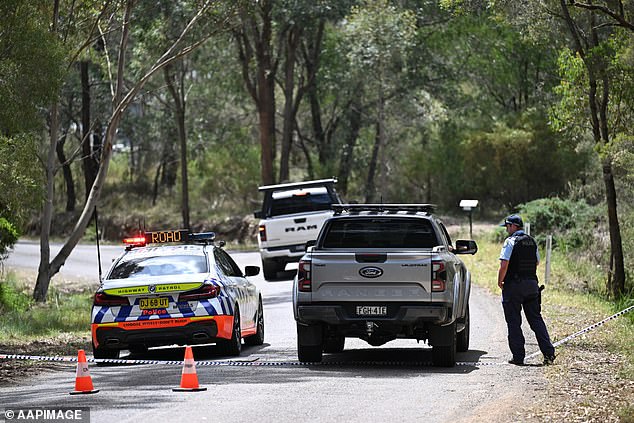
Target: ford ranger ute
<point>379,272</point>
<point>292,214</point>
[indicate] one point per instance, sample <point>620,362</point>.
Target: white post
<point>549,245</point>
<point>527,228</point>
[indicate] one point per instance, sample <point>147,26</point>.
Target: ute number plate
<point>371,310</point>
<point>150,303</point>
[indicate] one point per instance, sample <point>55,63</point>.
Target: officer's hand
<point>501,284</point>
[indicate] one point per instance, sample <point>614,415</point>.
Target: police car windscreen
<point>380,233</point>
<point>137,267</point>
<point>306,202</point>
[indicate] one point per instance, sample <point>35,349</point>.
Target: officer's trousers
<point>518,294</point>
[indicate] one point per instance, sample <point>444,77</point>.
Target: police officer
<point>517,278</point>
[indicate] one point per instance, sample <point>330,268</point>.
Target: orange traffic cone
<point>189,379</point>
<point>83,381</point>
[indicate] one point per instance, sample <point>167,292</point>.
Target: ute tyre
<point>106,353</point>
<point>334,344</point>
<point>258,338</point>
<point>233,346</point>
<point>309,353</point>
<point>269,268</point>
<point>463,336</point>
<point>445,355</point>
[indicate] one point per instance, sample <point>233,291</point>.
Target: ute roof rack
<point>357,208</point>
<point>304,184</point>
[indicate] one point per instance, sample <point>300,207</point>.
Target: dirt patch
<point>12,371</point>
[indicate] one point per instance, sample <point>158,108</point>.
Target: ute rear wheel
<point>463,335</point>
<point>270,269</point>
<point>308,353</point>
<point>445,355</point>
<point>334,344</point>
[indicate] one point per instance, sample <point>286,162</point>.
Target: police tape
<point>585,330</point>
<point>239,363</point>
<point>260,363</point>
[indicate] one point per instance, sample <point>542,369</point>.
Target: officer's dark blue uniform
<point>520,289</point>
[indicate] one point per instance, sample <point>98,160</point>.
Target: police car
<point>175,287</point>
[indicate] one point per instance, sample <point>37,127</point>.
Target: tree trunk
<point>616,278</point>
<point>179,105</point>
<point>44,273</point>
<point>260,82</point>
<point>292,43</point>
<point>68,175</point>
<point>353,115</point>
<point>378,141</point>
<point>89,161</point>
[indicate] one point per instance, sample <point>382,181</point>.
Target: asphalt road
<point>348,387</point>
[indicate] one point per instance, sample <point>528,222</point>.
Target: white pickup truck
<point>292,214</point>
<point>380,272</point>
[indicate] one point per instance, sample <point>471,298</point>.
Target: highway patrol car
<point>175,287</point>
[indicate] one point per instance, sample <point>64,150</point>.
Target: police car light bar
<point>136,241</point>
<point>167,237</point>
<point>356,208</point>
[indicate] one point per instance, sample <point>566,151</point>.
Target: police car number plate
<point>150,303</point>
<point>371,310</point>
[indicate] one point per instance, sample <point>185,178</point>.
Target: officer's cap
<point>513,219</point>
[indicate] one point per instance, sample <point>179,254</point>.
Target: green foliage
<point>572,223</point>
<point>12,300</point>
<point>20,178</point>
<point>27,48</point>
<point>64,312</point>
<point>8,236</point>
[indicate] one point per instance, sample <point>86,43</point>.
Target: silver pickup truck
<point>380,272</point>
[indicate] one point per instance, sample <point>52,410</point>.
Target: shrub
<point>8,236</point>
<point>572,223</point>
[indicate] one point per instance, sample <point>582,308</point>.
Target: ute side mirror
<point>257,214</point>
<point>310,243</point>
<point>465,246</point>
<point>251,270</point>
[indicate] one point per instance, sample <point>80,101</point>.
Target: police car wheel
<point>105,353</point>
<point>463,335</point>
<point>233,346</point>
<point>258,338</point>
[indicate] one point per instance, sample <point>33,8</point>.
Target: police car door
<point>241,289</point>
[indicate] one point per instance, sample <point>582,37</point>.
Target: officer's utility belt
<point>520,278</point>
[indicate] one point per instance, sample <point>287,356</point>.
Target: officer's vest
<point>523,261</point>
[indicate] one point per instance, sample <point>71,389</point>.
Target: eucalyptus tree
<point>594,71</point>
<point>591,103</point>
<point>212,14</point>
<point>380,36</point>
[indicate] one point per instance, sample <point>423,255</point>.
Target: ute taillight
<point>135,241</point>
<point>205,291</point>
<point>303,276</point>
<point>438,276</point>
<point>262,230</point>
<point>103,299</point>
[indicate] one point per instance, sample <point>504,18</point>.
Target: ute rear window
<point>380,233</point>
<point>302,203</point>
<point>139,267</point>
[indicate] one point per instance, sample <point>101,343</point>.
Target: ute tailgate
<point>371,276</point>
